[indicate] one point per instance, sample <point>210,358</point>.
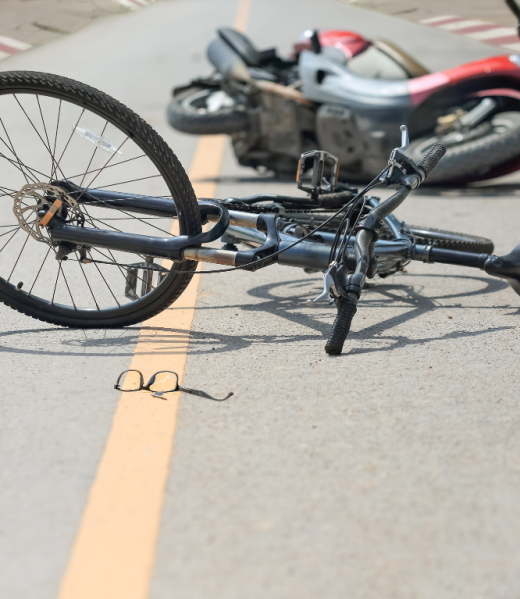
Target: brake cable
<point>350,204</point>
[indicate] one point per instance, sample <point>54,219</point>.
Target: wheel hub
<point>35,199</point>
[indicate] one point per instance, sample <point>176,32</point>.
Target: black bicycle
<point>102,227</point>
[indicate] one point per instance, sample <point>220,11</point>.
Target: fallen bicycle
<point>104,229</point>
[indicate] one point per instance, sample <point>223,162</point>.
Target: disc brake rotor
<point>35,198</point>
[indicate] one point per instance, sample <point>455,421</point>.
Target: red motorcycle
<point>339,88</point>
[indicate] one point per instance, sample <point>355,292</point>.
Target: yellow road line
<point>114,551</point>
<point>244,8</point>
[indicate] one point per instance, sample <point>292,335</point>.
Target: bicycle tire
<point>449,240</point>
<point>121,118</point>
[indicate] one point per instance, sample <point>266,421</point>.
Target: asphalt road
<point>389,472</point>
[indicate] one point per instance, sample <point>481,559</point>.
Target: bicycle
<point>93,186</point>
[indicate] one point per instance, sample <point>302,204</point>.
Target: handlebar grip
<point>430,160</point>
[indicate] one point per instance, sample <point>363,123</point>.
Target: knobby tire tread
<point>474,244</point>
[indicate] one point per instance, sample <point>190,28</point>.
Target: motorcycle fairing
<point>326,81</point>
<point>422,87</point>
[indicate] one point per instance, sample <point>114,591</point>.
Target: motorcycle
<point>339,88</point>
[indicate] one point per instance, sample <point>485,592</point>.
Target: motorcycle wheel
<point>203,111</point>
<point>473,157</point>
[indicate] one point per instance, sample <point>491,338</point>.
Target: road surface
<point>389,472</point>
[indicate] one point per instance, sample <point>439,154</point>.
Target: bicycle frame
<point>263,234</point>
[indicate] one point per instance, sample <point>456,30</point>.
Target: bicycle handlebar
<point>431,159</point>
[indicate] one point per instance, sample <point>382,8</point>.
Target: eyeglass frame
<point>160,394</point>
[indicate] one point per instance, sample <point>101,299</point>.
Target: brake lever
<point>405,139</point>
<point>328,282</point>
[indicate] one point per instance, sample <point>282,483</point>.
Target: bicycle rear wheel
<point>51,129</point>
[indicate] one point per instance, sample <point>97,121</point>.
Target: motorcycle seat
<point>241,45</point>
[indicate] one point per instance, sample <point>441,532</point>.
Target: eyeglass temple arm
<point>204,394</point>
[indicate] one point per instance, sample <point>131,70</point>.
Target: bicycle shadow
<point>284,300</point>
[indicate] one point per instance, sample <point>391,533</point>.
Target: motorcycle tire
<point>449,240</point>
<point>188,113</point>
<point>470,161</point>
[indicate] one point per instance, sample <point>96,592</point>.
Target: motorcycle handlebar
<point>430,160</point>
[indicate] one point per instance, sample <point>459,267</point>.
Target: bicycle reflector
<point>318,172</point>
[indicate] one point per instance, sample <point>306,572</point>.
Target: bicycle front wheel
<point>56,129</point>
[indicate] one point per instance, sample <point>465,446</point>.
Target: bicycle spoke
<point>125,182</point>
<point>68,141</point>
<point>67,284</point>
<point>53,162</point>
<point>53,174</point>
<point>17,164</point>
<point>110,166</point>
<point>128,214</point>
<point>1,250</point>
<point>112,258</point>
<point>34,127</point>
<point>17,259</point>
<point>10,147</point>
<point>90,288</point>
<point>107,162</point>
<point>109,288</point>
<point>93,154</point>
<point>39,271</point>
<point>17,226</point>
<point>56,283</point>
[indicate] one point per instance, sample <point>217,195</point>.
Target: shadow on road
<point>283,300</point>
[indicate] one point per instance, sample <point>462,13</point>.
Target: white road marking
<point>462,25</point>
<point>434,20</point>
<point>135,4</point>
<point>16,45</point>
<point>9,46</point>
<point>491,33</point>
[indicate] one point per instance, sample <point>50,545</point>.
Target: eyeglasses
<point>164,381</point>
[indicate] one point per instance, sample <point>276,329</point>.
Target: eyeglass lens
<point>164,382</point>
<point>131,380</point>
